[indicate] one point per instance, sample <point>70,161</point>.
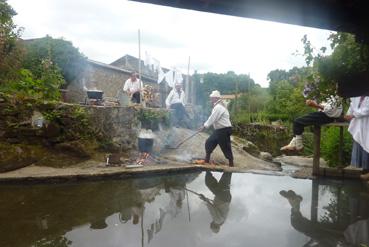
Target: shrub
<point>330,146</point>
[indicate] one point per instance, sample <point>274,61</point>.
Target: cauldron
<point>145,145</point>
<point>95,94</point>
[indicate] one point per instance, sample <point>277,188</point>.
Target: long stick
<point>200,195</point>
<point>188,206</point>
<point>139,64</point>
<point>180,143</point>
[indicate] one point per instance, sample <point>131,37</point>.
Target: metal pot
<point>95,94</point>
<point>145,145</point>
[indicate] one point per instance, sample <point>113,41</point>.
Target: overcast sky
<point>107,30</point>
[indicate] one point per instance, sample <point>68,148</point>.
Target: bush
<point>330,146</point>
<point>46,87</point>
<point>259,117</point>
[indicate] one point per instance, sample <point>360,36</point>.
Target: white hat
<point>215,94</point>
<point>178,83</point>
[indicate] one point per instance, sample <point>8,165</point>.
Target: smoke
<point>146,134</point>
<point>85,88</point>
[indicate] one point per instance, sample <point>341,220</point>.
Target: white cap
<point>215,94</point>
<point>178,83</point>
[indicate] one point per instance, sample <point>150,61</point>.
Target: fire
<point>142,158</point>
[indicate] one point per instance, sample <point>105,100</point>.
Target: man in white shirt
<point>328,112</point>
<point>133,87</point>
<point>175,101</point>
<point>221,136</point>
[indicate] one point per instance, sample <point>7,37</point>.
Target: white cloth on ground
<point>359,124</point>
<point>219,117</point>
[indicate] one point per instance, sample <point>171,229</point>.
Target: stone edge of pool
<point>58,175</point>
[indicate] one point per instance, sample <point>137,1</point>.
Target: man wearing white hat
<point>175,101</point>
<point>219,118</point>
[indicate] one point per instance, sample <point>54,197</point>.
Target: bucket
<point>145,145</point>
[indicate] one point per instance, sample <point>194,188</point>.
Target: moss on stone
<point>15,156</point>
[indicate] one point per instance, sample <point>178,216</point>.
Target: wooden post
<point>314,200</point>
<point>316,158</point>
<point>340,161</point>
<point>188,84</point>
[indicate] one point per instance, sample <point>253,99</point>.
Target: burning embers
<point>145,145</point>
<point>145,154</point>
<point>147,159</point>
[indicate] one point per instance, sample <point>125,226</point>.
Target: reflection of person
<point>219,207</point>
<point>98,224</point>
<point>358,115</point>
<point>175,101</point>
<point>327,112</point>
<point>221,122</point>
<point>319,232</point>
<point>133,87</point>
<point>358,233</point>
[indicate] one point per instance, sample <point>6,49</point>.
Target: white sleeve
<point>363,111</point>
<point>182,99</point>
<point>215,116</point>
<point>126,86</point>
<point>350,110</point>
<point>169,99</point>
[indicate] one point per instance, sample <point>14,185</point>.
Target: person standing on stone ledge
<point>133,87</point>
<point>358,115</point>
<point>221,136</point>
<point>175,101</point>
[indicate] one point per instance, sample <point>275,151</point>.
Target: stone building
<point>110,79</point>
<point>104,77</point>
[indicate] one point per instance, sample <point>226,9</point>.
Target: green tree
<point>10,53</point>
<point>227,83</point>
<point>348,57</point>
<point>61,53</point>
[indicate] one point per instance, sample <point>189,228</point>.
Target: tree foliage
<point>348,57</point>
<point>10,52</point>
<point>40,67</point>
<point>285,88</point>
<point>62,54</point>
<point>228,83</point>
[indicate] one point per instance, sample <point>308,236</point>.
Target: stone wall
<point>118,125</point>
<point>267,138</point>
<point>104,77</point>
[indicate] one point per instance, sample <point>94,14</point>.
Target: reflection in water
<point>321,234</point>
<point>336,227</point>
<point>176,211</point>
<point>218,207</point>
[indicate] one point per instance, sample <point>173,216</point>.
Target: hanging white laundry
<point>161,75</point>
<point>169,78</point>
<point>148,59</point>
<point>178,78</point>
<point>155,63</point>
